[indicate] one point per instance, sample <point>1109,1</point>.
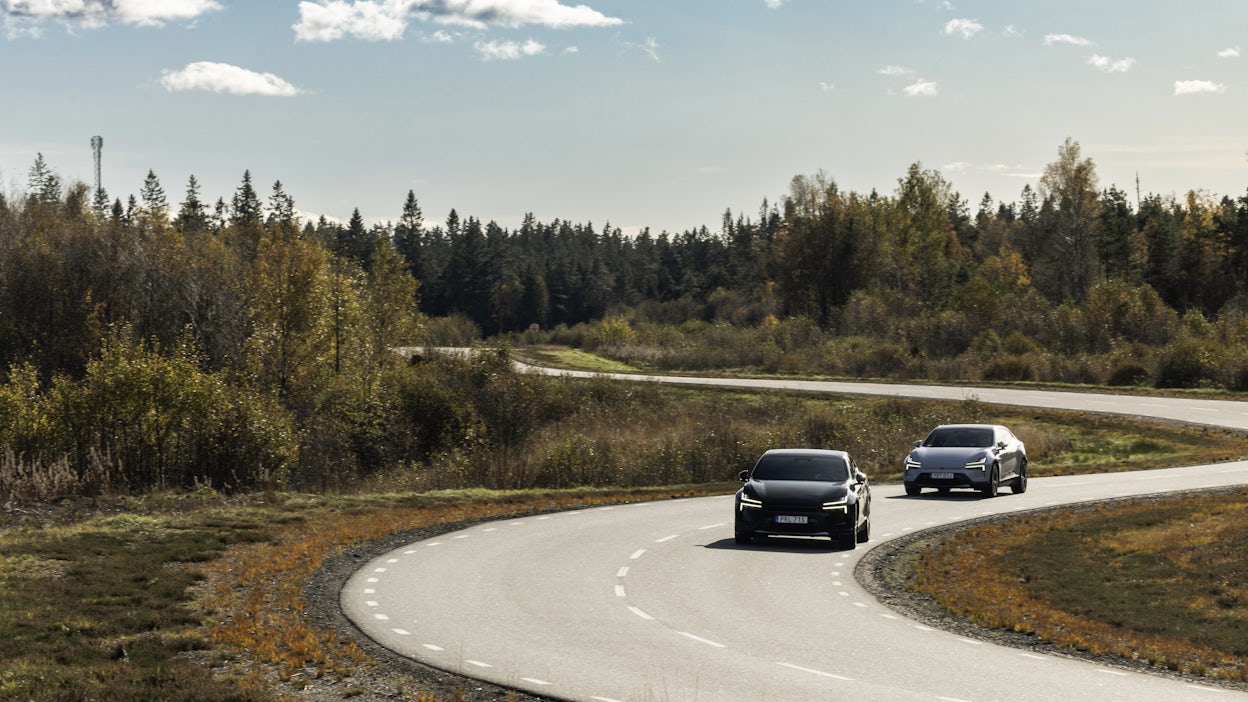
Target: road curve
<point>654,601</point>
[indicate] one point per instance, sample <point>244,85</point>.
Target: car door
<point>1008,458</point>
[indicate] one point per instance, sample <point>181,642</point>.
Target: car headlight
<point>975,465</point>
<point>748,502</point>
<point>837,506</point>
<point>912,464</point>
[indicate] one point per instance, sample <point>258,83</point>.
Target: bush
<point>1011,368</point>
<point>1129,372</point>
<point>1188,363</point>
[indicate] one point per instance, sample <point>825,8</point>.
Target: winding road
<point>655,602</point>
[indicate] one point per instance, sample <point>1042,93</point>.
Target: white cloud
<point>157,12</point>
<point>508,50</point>
<point>1194,87</point>
<point>1229,52</point>
<point>895,71</point>
<point>1051,39</point>
<point>224,78</point>
<point>378,20</point>
<point>826,87</point>
<point>774,4</point>
<point>331,20</point>
<point>649,47</point>
<point>956,167</point>
<point>966,27</point>
<point>26,16</point>
<point>1011,31</point>
<point>920,88</point>
<point>1110,66</point>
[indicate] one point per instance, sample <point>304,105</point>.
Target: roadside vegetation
<point>1157,580</point>
<point>200,596</point>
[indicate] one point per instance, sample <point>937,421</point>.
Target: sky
<point>659,114</point>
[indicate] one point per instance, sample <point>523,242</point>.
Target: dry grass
<point>1159,581</point>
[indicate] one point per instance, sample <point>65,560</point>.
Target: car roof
<point>805,452</point>
<point>969,426</point>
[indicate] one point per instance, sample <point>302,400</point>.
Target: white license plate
<point>790,519</point>
<point>942,476</point>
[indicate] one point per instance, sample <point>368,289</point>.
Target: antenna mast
<point>97,146</point>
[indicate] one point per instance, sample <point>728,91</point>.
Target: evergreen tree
<point>409,232</point>
<point>245,209</point>
<point>281,208</point>
<point>45,185</point>
<point>192,216</point>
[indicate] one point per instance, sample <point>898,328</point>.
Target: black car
<point>804,492</point>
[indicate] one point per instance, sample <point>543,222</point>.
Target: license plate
<point>942,476</point>
<point>790,519</point>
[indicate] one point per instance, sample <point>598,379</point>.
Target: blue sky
<point>640,113</point>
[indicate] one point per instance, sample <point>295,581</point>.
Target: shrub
<point>1011,368</point>
<point>154,421</point>
<point>1129,372</point>
<point>1188,363</point>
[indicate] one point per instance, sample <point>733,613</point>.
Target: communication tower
<point>97,147</point>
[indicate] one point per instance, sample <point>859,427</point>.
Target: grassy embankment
<point>1159,581</point>
<point>129,603</point>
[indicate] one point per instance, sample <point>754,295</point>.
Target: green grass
<point>570,359</point>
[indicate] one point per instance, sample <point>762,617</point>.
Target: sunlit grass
<point>1159,581</point>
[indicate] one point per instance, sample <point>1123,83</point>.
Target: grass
<point>565,358</point>
<point>1161,581</point>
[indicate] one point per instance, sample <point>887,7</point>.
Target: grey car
<point>977,456</point>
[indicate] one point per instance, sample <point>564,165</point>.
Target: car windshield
<point>822,468</point>
<point>978,437</point>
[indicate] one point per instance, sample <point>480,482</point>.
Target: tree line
<point>228,343</point>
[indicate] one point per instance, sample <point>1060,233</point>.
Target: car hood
<point>797,492</point>
<point>949,456</point>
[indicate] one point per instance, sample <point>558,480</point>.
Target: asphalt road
<point>654,601</point>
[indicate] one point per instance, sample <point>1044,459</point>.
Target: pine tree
<point>281,208</point>
<point>245,207</point>
<point>192,215</point>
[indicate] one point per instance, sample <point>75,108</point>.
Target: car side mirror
<point>860,477</point>
<point>918,443</point>
<point>743,475</point>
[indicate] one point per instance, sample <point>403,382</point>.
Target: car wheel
<point>1019,485</point>
<point>913,490</point>
<point>849,539</point>
<point>990,490</point>
<point>864,532</point>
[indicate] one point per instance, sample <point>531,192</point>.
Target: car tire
<point>990,490</point>
<point>1019,486</point>
<point>864,532</point>
<point>913,490</point>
